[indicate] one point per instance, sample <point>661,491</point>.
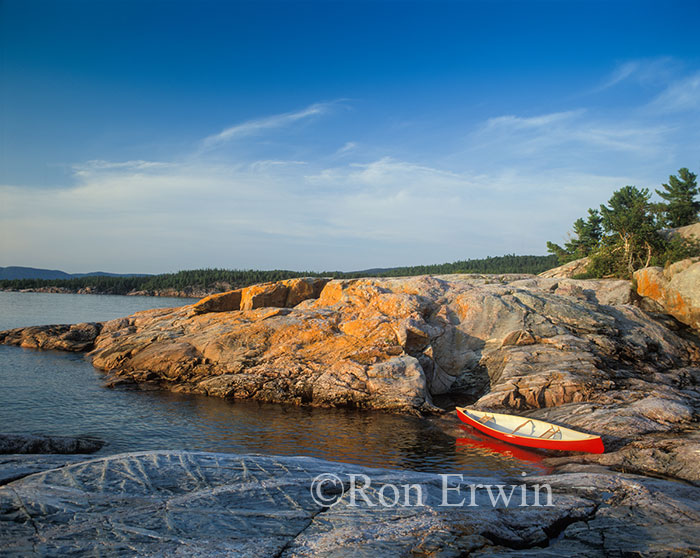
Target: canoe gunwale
<point>589,443</point>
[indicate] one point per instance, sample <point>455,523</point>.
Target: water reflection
<point>62,394</point>
<point>474,441</point>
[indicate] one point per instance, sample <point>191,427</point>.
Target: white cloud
<point>518,122</point>
<point>265,164</point>
<point>387,211</point>
<point>564,137</point>
<point>134,165</point>
<point>347,148</point>
<point>253,127</point>
<point>621,73</point>
<point>644,71</point>
<point>514,182</point>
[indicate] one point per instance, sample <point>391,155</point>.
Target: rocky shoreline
<point>595,355</point>
<point>584,353</point>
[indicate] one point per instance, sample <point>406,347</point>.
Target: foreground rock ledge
<point>577,352</point>
<point>205,504</point>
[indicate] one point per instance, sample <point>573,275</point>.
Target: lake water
<point>56,393</point>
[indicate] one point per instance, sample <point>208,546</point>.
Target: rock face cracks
<point>204,504</point>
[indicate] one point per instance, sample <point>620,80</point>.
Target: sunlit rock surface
<point>62,337</point>
<point>579,353</point>
<point>568,270</point>
<point>675,289</point>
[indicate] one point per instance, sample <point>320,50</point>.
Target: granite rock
<point>578,353</point>
<point>675,289</point>
<point>202,504</point>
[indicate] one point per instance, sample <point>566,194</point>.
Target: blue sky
<point>156,136</point>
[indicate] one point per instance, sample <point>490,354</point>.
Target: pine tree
<point>586,237</point>
<point>681,208</point>
<point>632,236</point>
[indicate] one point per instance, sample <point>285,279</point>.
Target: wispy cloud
<point>507,183</point>
<point>643,71</point>
<point>561,136</point>
<point>253,127</point>
<point>347,148</point>
<point>681,95</point>
<point>279,214</point>
<point>621,73</point>
<point>106,165</point>
<point>519,122</point>
<point>266,164</point>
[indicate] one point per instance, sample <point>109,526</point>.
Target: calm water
<point>50,392</point>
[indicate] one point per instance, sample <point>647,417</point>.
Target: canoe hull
<point>590,445</point>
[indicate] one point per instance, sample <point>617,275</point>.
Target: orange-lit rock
<point>520,343</point>
<point>219,302</point>
<point>576,353</point>
<point>676,289</point>
<point>264,295</point>
<point>304,288</point>
<point>282,294</point>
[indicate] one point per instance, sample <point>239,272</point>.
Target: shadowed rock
<point>77,337</point>
<point>15,466</point>
<point>204,504</point>
<point>24,443</point>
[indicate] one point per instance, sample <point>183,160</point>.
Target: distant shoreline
<point>171,293</point>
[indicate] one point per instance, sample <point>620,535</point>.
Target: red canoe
<point>530,432</point>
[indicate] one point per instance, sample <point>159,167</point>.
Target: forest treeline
<point>225,279</point>
<point>631,231</point>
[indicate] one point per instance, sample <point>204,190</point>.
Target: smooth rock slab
<point>203,504</point>
<point>16,466</point>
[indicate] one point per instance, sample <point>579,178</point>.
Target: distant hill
<point>18,272</point>
<point>15,272</point>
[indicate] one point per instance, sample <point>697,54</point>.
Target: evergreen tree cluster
<point>510,263</point>
<point>681,207</point>
<point>627,233</point>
